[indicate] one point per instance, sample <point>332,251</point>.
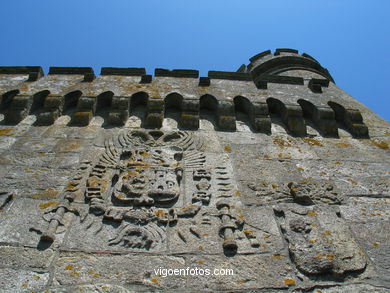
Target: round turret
<point>283,61</point>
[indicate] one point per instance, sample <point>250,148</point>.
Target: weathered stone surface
<point>12,280</point>
<point>26,258</point>
<point>108,183</point>
<point>121,269</point>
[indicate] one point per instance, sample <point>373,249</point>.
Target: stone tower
<point>270,178</point>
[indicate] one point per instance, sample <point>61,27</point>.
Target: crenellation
<point>262,80</point>
<point>285,50</point>
<point>188,73</point>
<point>264,68</point>
<point>229,75</point>
<point>204,81</point>
<point>316,84</point>
<point>260,55</point>
<point>118,71</point>
<point>34,72</point>
<point>87,72</point>
<point>146,78</point>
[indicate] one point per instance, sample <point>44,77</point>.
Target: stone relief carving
<point>318,240</point>
<point>137,186</point>
<point>314,193</point>
<point>303,192</point>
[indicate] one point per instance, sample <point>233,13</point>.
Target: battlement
<point>283,85</point>
<point>281,62</point>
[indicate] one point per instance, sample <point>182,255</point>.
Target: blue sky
<point>349,37</point>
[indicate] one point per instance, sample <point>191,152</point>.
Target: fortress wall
<point>105,179</point>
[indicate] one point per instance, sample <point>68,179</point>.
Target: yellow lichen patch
<point>227,148</point>
<point>93,182</point>
<point>318,291</point>
<point>5,131</point>
<point>281,142</point>
<point>290,282</point>
<point>237,193</point>
<point>188,207</point>
<point>311,214</point>
<point>75,274</point>
<point>376,244</point>
<point>266,157</point>
<point>45,205</point>
<point>312,241</point>
<point>326,233</point>
<point>47,193</point>
<point>161,213</point>
<point>303,181</point>
<point>274,186</point>
<point>376,214</point>
<point>248,232</point>
<point>380,144</point>
<point>205,234</point>
<point>69,267</point>
<point>131,173</point>
<point>338,163</point>
<point>343,144</point>
<point>155,281</point>
<point>201,262</point>
<point>72,185</point>
<point>200,247</point>
<point>267,238</point>
<point>327,256</point>
<point>301,169</point>
<point>105,288</point>
<point>352,181</point>
<point>312,141</point>
<point>277,256</point>
<point>36,276</point>
<point>330,256</point>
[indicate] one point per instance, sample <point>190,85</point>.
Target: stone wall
<point>272,172</point>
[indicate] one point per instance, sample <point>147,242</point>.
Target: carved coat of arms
<point>138,184</point>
